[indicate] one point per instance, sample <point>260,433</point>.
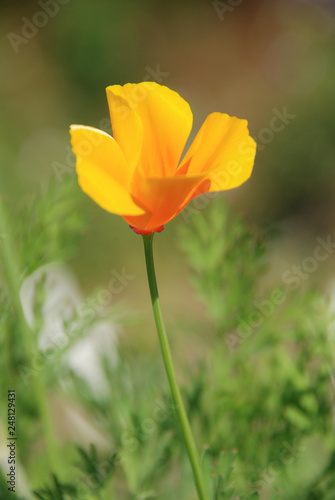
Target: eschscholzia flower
<point>140,173</point>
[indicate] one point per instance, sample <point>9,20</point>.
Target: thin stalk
<point>170,371</point>
<point>11,273</point>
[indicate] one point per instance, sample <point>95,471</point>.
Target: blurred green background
<point>245,58</point>
<point>259,60</point>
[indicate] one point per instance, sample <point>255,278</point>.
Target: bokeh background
<point>255,59</point>
<point>251,59</point>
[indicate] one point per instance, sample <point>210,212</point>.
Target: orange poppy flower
<point>139,174</point>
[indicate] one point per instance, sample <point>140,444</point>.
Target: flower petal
<point>166,120</point>
<point>102,170</point>
<point>164,198</point>
<point>126,125</point>
<point>224,149</point>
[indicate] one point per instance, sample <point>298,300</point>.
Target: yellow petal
<point>224,149</point>
<point>126,124</point>
<point>163,198</point>
<point>102,170</point>
<point>166,121</point>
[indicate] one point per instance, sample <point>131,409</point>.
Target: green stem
<point>12,276</point>
<point>170,371</point>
